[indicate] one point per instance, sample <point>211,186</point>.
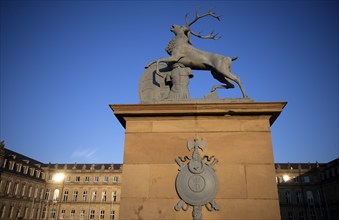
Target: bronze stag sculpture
<point>181,51</point>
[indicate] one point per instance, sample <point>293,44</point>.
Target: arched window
<point>299,198</point>
<point>310,200</point>
<point>56,195</point>
<point>288,197</point>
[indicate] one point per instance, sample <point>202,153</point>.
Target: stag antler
<point>197,17</point>
<point>209,36</point>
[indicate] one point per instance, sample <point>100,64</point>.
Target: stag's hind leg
<point>236,79</point>
<point>218,76</point>
<point>224,69</point>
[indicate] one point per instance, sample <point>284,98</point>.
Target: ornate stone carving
<point>196,182</point>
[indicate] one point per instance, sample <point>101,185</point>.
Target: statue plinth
<point>237,134</point>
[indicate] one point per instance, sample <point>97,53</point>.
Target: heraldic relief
<point>196,182</point>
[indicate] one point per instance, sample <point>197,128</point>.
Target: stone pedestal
<point>238,134</point>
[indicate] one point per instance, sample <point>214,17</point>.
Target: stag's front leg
<point>163,60</point>
<point>149,64</point>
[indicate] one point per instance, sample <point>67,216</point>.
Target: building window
<point>36,190</point>
<point>37,173</point>
<point>62,215</point>
<point>277,179</point>
<point>41,193</point>
<point>114,196</point>
<point>37,213</point>
<point>26,211</point>
<point>312,213</point>
<point>68,179</point>
<point>8,187</point>
<point>102,214</point>
<point>18,167</point>
<point>306,179</point>
<point>115,179</point>
<point>94,196</point>
<point>84,196</point>
<point>309,196</point>
<point>75,196</point>
<point>30,189</point>
<point>2,210</point>
<point>31,214</point>
<point>112,215</point>
<point>11,165</point>
<point>17,215</point>
<point>319,196</point>
<point>77,179</point>
<point>10,213</point>
<point>47,193</point>
<point>15,189</point>
<point>103,196</point>
<point>96,179</point>
<point>56,195</point>
<point>86,179</point>
<point>25,169</point>
<point>82,214</point>
<point>299,198</point>
<point>53,214</point>
<point>72,213</point>
<point>106,179</point>
<point>91,215</point>
<point>301,215</point>
<point>65,196</point>
<point>5,162</point>
<point>290,215</point>
<point>44,213</point>
<point>23,190</point>
<point>31,171</point>
<point>288,197</point>
<point>296,179</point>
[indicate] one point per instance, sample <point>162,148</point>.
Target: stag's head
<point>186,30</point>
<point>177,29</point>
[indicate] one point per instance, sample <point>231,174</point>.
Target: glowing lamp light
<point>59,177</point>
<point>286,178</point>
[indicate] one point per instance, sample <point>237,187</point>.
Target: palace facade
<point>30,189</point>
<point>308,191</point>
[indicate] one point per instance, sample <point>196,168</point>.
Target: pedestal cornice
<point>272,109</point>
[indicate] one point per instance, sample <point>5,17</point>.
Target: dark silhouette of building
<point>308,191</point>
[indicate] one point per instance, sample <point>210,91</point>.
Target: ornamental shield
<point>196,182</point>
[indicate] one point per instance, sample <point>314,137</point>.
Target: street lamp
<point>58,178</point>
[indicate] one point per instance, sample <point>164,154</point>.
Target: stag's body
<point>181,51</point>
<point>186,54</point>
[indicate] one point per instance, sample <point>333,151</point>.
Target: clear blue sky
<point>64,62</point>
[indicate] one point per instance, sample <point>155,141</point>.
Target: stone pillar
<point>238,134</point>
